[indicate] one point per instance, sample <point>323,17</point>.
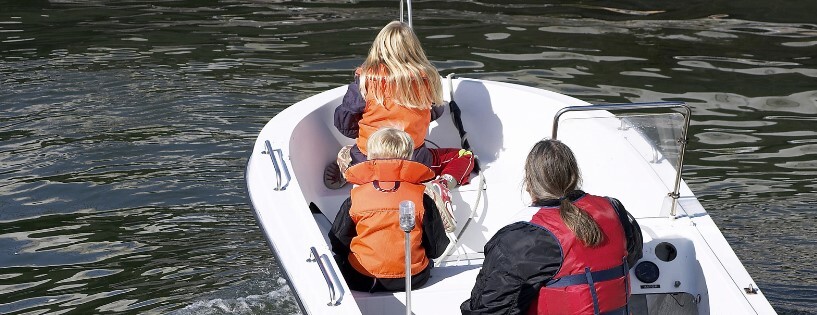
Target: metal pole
<point>408,7</point>
<point>407,224</point>
<point>408,275</point>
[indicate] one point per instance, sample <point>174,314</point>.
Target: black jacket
<point>350,111</point>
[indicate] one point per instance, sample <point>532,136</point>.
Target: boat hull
<point>295,210</point>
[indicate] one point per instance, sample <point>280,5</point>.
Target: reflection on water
<point>125,127</point>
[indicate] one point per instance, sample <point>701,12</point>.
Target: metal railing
<point>687,112</point>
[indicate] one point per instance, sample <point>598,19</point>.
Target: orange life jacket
<point>591,280</point>
<point>378,250</point>
<point>413,121</point>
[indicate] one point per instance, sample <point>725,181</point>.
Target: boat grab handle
<point>274,157</point>
<point>329,276</point>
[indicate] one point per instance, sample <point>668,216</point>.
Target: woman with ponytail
<point>569,252</point>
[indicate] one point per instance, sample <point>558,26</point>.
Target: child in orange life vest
<point>396,86</point>
<point>366,231</point>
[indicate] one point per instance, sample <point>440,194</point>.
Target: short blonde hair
<point>390,143</point>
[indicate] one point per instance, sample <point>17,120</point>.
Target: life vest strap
<point>598,276</point>
<point>589,276</point>
<point>619,311</point>
<point>626,267</point>
<point>376,185</point>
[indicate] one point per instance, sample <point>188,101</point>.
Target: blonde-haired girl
<point>396,86</point>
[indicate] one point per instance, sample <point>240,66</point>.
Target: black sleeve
<point>343,230</point>
<point>635,241</point>
<point>350,111</point>
<point>434,238</point>
<point>518,260</point>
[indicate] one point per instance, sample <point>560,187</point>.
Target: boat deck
<point>615,159</point>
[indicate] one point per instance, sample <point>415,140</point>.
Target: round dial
<point>647,272</point>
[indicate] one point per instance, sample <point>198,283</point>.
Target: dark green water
<point>125,127</point>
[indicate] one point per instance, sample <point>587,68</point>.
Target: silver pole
<point>407,224</point>
<point>408,275</point>
<point>408,6</point>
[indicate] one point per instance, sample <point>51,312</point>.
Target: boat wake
<point>278,301</point>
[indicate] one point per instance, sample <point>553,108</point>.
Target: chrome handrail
<point>272,156</point>
<point>323,262</point>
<point>635,106</point>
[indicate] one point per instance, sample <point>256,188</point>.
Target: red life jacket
<point>377,249</point>
<point>591,280</point>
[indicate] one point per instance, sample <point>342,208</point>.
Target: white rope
<point>456,238</point>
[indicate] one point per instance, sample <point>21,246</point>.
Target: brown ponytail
<point>581,224</point>
<point>551,172</point>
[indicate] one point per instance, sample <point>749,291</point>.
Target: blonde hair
<point>390,143</point>
<point>551,172</point>
<point>398,67</point>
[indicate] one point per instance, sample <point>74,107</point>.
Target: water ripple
<point>555,56</point>
<point>125,127</point>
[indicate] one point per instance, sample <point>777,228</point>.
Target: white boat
<point>688,267</point>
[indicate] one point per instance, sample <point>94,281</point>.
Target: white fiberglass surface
<point>503,122</point>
